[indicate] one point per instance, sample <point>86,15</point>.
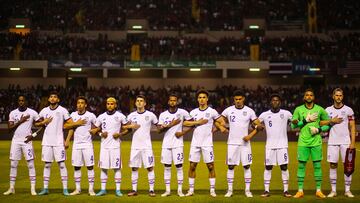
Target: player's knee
<point>30,164</point>
<point>134,169</point>
<point>150,169</point>
<point>317,164</point>
<point>284,167</point>
<point>76,168</point>
<point>193,166</point>
<point>210,166</point>
<point>231,167</point>
<point>167,165</point>
<point>268,167</point>
<point>14,164</point>
<point>178,165</point>
<point>246,167</point>
<point>47,165</point>
<point>90,167</point>
<point>61,164</point>
<point>333,165</point>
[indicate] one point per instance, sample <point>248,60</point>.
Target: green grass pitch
<point>201,184</point>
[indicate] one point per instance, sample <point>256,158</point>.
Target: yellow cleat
<point>299,194</point>
<point>319,194</point>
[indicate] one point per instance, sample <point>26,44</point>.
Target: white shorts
<point>168,155</point>
<point>141,156</point>
<point>110,158</point>
<point>49,153</point>
<point>18,149</point>
<point>275,157</point>
<point>79,156</point>
<point>237,153</point>
<point>333,153</point>
<point>207,153</point>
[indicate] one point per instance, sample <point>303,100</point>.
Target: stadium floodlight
<point>254,27</point>
<point>135,69</point>
<point>314,69</point>
<point>15,69</point>
<point>195,69</point>
<point>76,69</point>
<point>254,69</point>
<point>19,26</point>
<point>137,27</point>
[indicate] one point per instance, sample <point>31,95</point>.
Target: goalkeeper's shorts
<point>315,152</point>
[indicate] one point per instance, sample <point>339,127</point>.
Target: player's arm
<point>193,123</point>
<point>256,128</point>
<point>163,127</point>
<point>184,131</point>
<point>30,137</point>
<point>70,124</point>
<point>220,123</point>
<point>68,138</point>
<point>352,133</point>
<point>43,122</point>
<point>12,125</point>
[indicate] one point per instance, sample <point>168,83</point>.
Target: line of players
<point>175,122</point>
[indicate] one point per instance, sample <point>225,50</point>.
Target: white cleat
<point>33,192</point>
<point>165,194</point>
<point>180,193</point>
<point>76,192</point>
<point>248,194</point>
<point>332,194</point>
<point>92,193</point>
<point>349,194</point>
<point>189,193</point>
<point>228,194</point>
<point>212,194</point>
<point>9,191</point>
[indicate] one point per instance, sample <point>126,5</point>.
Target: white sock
<point>64,174</point>
<point>151,178</point>
<point>47,170</point>
<point>247,177</point>
<point>167,178</point>
<point>230,179</point>
<point>191,184</point>
<point>333,177</point>
<point>267,179</point>
<point>32,173</point>
<point>117,178</point>
<point>134,179</point>
<point>347,182</point>
<point>91,177</point>
<point>103,178</point>
<point>77,177</point>
<point>212,184</point>
<point>285,178</point>
<point>13,172</point>
<point>180,177</point>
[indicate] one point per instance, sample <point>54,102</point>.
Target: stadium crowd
<point>220,97</point>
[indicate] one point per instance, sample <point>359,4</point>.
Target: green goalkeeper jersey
<point>305,137</point>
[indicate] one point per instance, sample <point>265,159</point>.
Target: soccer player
<point>239,116</point>
<point>311,119</point>
<point>340,139</point>
<point>20,121</point>
<point>82,150</point>
<point>203,119</point>
<point>141,148</point>
<point>276,150</point>
<point>108,126</point>
<point>171,121</point>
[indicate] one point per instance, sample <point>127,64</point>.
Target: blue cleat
<point>66,192</point>
<point>44,191</point>
<point>118,193</point>
<point>101,193</point>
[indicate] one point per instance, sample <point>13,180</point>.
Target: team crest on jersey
<point>207,115</point>
<point>244,113</point>
<point>282,116</point>
<point>177,115</point>
<point>146,118</point>
<point>343,113</point>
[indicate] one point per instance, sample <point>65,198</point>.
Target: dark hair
<point>141,96</point>
<point>202,91</point>
<point>275,95</point>
<point>54,93</point>
<point>309,90</point>
<point>22,95</point>
<point>173,94</point>
<point>338,89</point>
<point>238,93</point>
<point>83,98</point>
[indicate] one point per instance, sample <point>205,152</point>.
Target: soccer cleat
<point>10,191</point>
<point>92,193</point>
<point>287,194</point>
<point>265,194</point>
<point>248,194</point>
<point>66,192</point>
<point>152,193</point>
<point>132,193</point>
<point>76,192</point>
<point>332,194</point>
<point>101,193</point>
<point>33,192</point>
<point>212,194</point>
<point>319,194</point>
<point>118,193</point>
<point>349,194</point>
<point>229,193</point>
<point>189,193</point>
<point>299,194</point>
<point>180,193</point>
<point>165,194</point>
<point>44,191</point>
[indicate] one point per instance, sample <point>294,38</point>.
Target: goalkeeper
<point>311,119</point>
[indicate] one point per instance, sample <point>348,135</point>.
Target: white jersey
<point>239,120</point>
<point>141,138</point>
<point>110,123</point>
<point>202,135</point>
<point>170,140</point>
<point>23,129</point>
<point>53,133</point>
<point>276,128</point>
<point>82,136</point>
<point>339,133</point>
